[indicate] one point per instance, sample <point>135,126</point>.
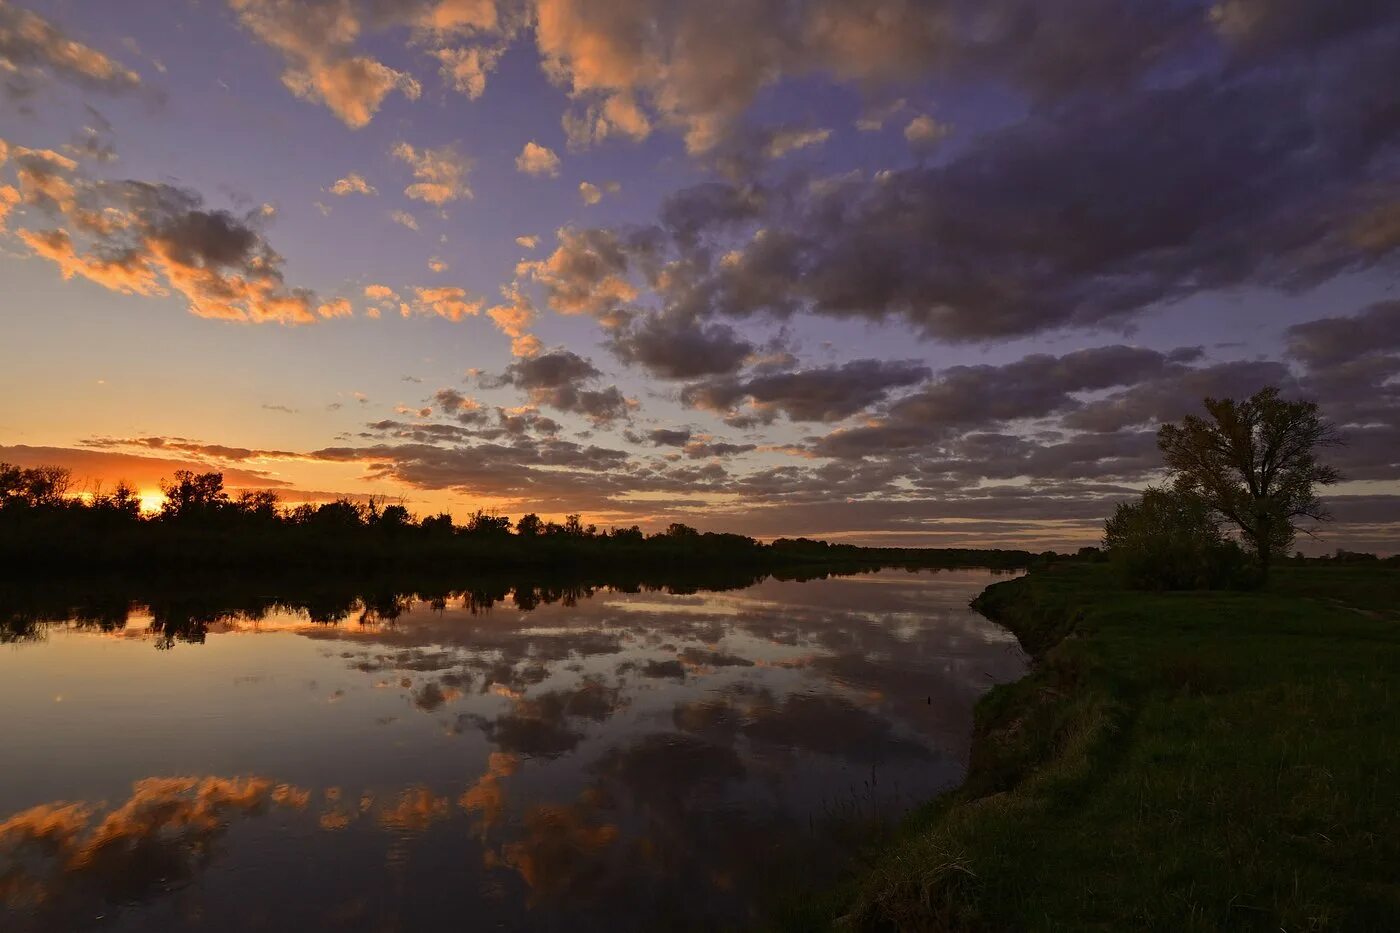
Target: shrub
<point>1172,541</point>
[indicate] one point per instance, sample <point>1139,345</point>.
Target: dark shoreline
<point>1168,758</point>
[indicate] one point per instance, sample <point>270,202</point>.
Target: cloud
<point>559,379</point>
<point>527,242</point>
<point>141,470</point>
<point>404,219</point>
<point>441,173</point>
<point>1332,341</point>
<point>353,183</point>
<point>924,133</point>
<point>437,265</point>
<point>790,139</point>
<point>514,317</point>
<point>535,159</point>
<point>873,119</point>
<point>586,274</point>
<point>186,446</point>
<point>316,41</point>
<point>676,348</point>
<point>336,307</point>
<point>819,394</point>
<point>146,238</point>
<point>669,437</point>
<point>32,49</point>
<point>447,302</point>
<point>967,398</point>
<point>465,69</point>
<point>592,193</point>
<point>1078,215</point>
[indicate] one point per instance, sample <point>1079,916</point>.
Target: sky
<point>882,271</point>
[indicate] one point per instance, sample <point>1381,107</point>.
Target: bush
<point>1172,541</point>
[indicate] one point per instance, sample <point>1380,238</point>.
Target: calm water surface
<point>608,760</point>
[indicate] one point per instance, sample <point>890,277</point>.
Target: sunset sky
<point>922,272</point>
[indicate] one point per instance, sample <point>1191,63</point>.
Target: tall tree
<point>1255,462</point>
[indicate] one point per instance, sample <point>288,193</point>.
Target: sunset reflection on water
<point>612,759</point>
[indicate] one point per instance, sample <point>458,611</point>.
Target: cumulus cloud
<point>924,133</point>
<point>514,317</point>
<point>441,173</point>
<point>535,159</point>
<point>146,238</point>
<point>561,379</point>
<point>353,183</point>
<point>678,348</point>
<point>448,302</point>
<point>465,69</point>
<point>527,242</point>
<point>586,274</point>
<point>317,42</point>
<point>404,219</point>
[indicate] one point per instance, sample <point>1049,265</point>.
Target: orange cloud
<point>441,173</point>
<point>448,302</point>
<point>535,159</point>
<point>317,43</point>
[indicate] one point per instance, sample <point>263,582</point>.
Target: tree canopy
<point>1254,462</point>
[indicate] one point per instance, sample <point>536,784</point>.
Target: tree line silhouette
<point>47,525</point>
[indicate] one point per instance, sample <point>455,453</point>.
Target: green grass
<point>1185,761</point>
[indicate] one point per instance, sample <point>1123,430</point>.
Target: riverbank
<point>1175,761</point>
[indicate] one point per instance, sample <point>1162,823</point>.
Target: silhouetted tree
<point>193,495</point>
<point>394,518</point>
<point>123,501</point>
<point>35,487</point>
<point>1255,463</point>
<point>261,504</point>
<point>488,523</point>
<point>529,526</point>
<point>339,515</point>
<point>438,525</point>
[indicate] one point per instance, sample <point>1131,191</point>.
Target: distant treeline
<point>183,607</point>
<point>46,527</point>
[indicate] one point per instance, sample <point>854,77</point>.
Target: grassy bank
<point>1177,761</point>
